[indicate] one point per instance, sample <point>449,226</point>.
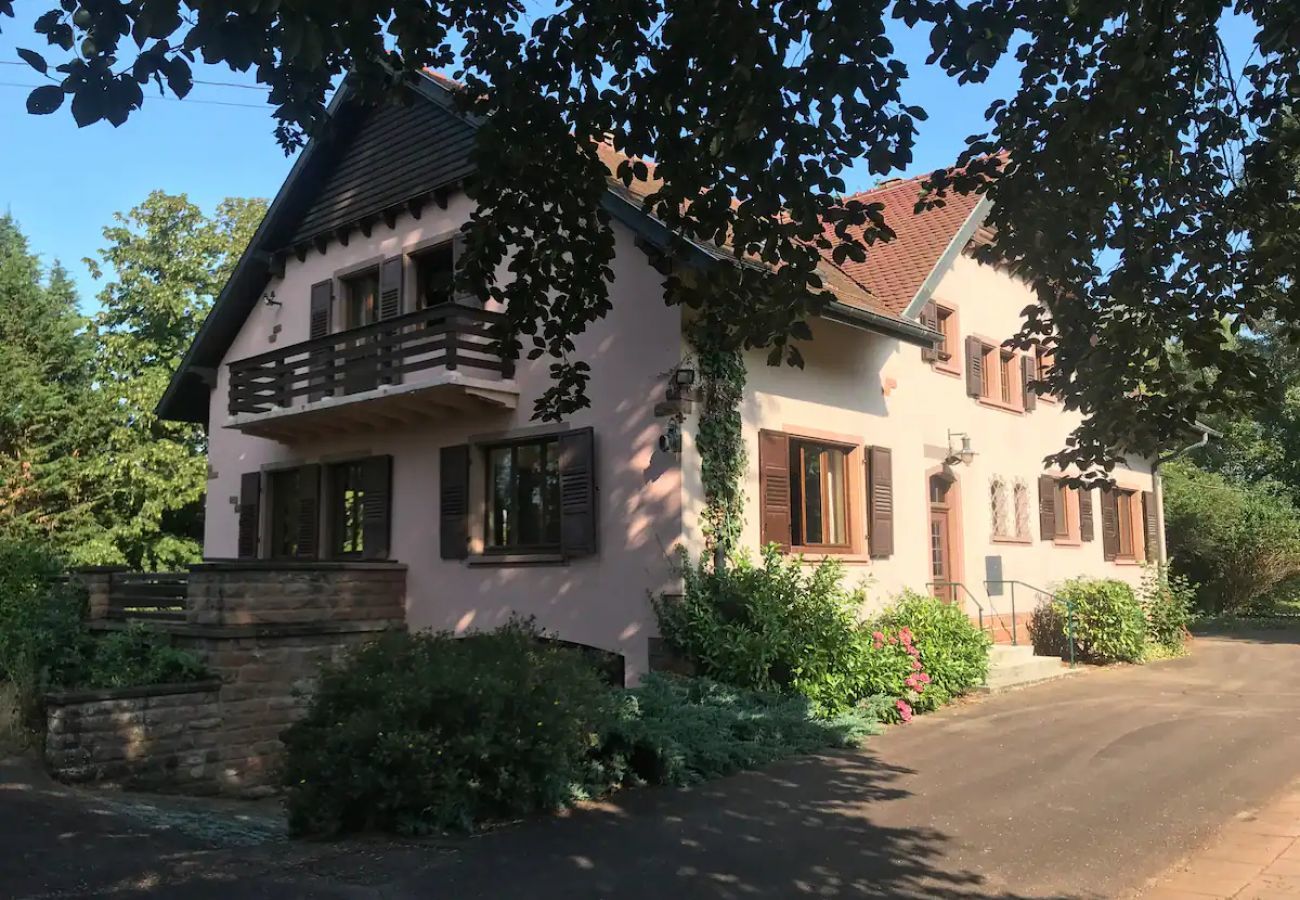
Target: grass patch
<point>1231,623</point>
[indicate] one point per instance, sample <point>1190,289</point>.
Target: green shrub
<point>139,655</point>
<point>417,733</point>
<point>1048,630</point>
<point>674,730</point>
<point>1167,600</point>
<point>1239,541</point>
<point>43,638</point>
<point>1109,625</point>
<point>954,652</point>
<point>777,626</point>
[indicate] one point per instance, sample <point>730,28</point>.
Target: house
<point>356,414</point>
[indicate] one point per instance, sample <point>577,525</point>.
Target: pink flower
<point>923,678</point>
<point>916,665</point>
<point>906,634</point>
<point>877,635</point>
<point>892,640</point>
<point>904,711</point>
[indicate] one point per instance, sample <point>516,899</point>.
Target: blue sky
<point>63,183</point>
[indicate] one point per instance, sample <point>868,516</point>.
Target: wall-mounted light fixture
<point>269,299</point>
<point>963,454</point>
<point>684,378</point>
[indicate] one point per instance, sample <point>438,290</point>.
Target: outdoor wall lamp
<point>269,299</point>
<point>683,378</point>
<point>965,455</point>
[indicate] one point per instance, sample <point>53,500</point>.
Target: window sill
<point>819,554</point>
<point>503,560</point>
<point>1067,542</point>
<point>1011,540</point>
<point>998,404</point>
<point>945,369</point>
<point>1127,561</point>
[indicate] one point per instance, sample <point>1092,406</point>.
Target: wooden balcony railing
<point>447,336</point>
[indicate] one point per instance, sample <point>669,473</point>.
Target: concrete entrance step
<point>1016,666</point>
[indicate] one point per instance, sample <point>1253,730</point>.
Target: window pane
<point>812,496</point>
<point>1124,519</point>
<point>349,509</point>
<point>433,276</point>
<point>284,513</point>
<point>1062,520</point>
<point>1007,375</point>
<point>523,496</point>
<point>362,294</point>
<point>834,464</point>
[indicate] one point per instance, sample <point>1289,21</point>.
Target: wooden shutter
<point>1152,525</point>
<point>1028,372</point>
<point>930,319</point>
<point>322,306</point>
<point>880,502</point>
<point>1109,524</point>
<point>578,492</point>
<point>1047,507</point>
<point>774,488</point>
<point>377,510</point>
<point>307,524</point>
<point>974,367</point>
<point>390,288</point>
<point>250,514</point>
<point>453,500</point>
<point>1085,514</point>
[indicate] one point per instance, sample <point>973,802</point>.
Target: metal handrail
<point>931,585</point>
<point>1069,609</point>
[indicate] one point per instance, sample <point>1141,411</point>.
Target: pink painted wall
<point>601,600</point>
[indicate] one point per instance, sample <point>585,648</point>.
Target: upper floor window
<point>1007,377</point>
<point>361,298</point>
<point>942,319</point>
<point>434,274</point>
<point>523,509</point>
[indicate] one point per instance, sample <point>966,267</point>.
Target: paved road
<point>1082,788</point>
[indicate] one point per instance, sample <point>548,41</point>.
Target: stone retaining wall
<point>263,629</point>
<point>158,736</point>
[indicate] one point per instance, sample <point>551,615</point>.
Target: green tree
<point>1141,200</point>
<point>167,262</point>
<point>45,384</point>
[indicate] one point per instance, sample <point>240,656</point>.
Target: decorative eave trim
<point>867,320</point>
<point>959,241</point>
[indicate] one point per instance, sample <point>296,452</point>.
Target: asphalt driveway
<point>1083,787</point>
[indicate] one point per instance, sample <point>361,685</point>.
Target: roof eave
<point>979,212</point>
<point>866,320</point>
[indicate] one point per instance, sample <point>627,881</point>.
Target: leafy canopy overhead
<point>1146,200</point>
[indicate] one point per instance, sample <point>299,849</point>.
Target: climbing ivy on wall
<point>719,441</point>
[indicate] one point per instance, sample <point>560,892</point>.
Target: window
<point>347,509</point>
<point>1020,492</point>
<point>361,298</point>
<point>523,496</point>
<point>286,489</point>
<point>434,271</point>
<point>1061,511</point>
<point>819,489</point>
<point>1124,521</point>
<point>998,507</point>
<point>946,323</point>
<point>1007,375</point>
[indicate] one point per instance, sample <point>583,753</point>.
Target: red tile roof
<point>894,271</point>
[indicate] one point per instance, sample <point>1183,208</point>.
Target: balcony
<point>396,372</point>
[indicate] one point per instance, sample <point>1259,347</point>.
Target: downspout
<point>1158,489</point>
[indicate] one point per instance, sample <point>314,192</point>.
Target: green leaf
<point>45,100</point>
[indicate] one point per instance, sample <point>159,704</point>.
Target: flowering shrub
<point>892,668</point>
<point>1109,625</point>
<point>954,651</point>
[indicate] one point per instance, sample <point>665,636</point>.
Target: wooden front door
<point>941,569</point>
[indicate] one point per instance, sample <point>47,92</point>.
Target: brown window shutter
<point>250,514</point>
<point>453,501</point>
<point>377,512</point>
<point>578,492</point>
<point>880,502</point>
<point>774,487</point>
<point>1109,524</point>
<point>1047,507</point>
<point>1028,396</point>
<point>1085,514</point>
<point>308,521</point>
<point>1152,526</point>
<point>322,305</point>
<point>974,367</point>
<point>390,288</point>
<point>930,319</point>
